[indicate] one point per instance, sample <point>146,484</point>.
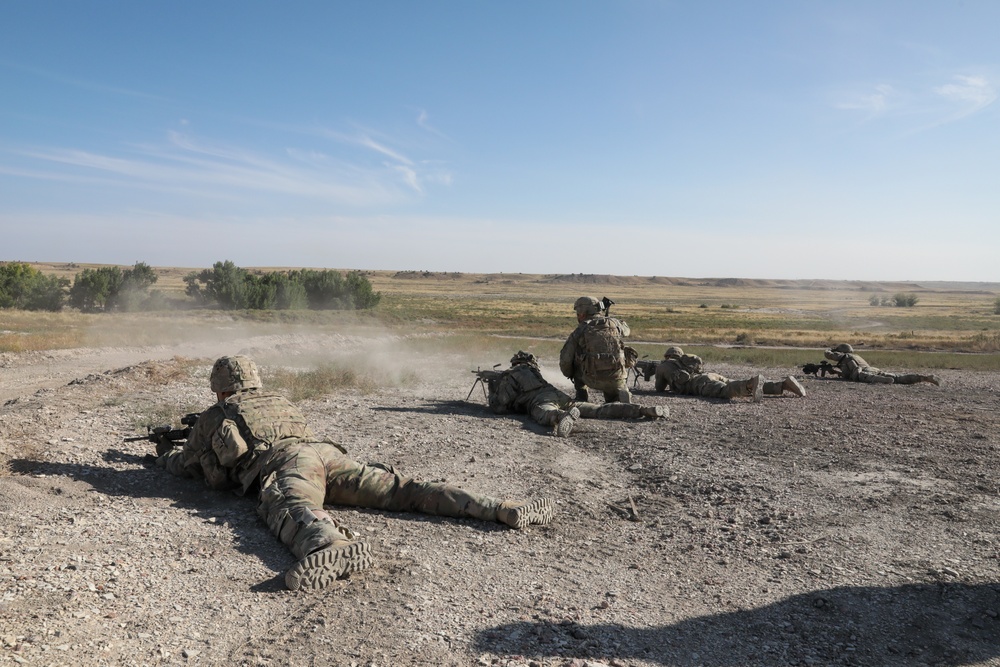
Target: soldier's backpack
<point>690,363</point>
<point>602,348</point>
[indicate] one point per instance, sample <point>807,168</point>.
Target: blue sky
<point>845,140</point>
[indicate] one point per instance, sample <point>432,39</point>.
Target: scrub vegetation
<point>945,325</point>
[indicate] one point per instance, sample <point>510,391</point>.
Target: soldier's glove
<point>162,445</point>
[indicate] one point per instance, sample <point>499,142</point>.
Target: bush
<point>25,287</point>
<point>904,300</point>
<point>109,288</point>
<point>234,288</point>
<point>996,306</point>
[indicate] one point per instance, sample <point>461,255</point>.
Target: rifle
<point>822,368</point>
<point>484,378</point>
<point>644,368</point>
<point>607,303</point>
<point>164,433</point>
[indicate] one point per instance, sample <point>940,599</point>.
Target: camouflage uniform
<point>682,374</point>
<point>853,367</point>
<point>606,369</point>
<point>522,389</point>
<point>256,440</point>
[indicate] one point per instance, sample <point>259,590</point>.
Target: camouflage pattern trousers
<point>713,385</point>
<point>298,479</point>
<point>872,375</point>
<point>547,406</point>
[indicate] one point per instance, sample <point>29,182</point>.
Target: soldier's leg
<point>914,378</point>
<point>875,376</point>
<point>291,499</point>
<point>581,389</point>
<point>789,384</point>
<point>753,388</point>
<point>379,486</point>
<point>621,411</point>
<point>550,414</point>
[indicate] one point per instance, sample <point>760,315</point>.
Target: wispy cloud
<point>932,105</point>
<point>82,83</point>
<point>214,170</point>
<point>971,93</point>
<point>875,102</point>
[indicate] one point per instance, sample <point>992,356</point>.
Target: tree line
<point>225,286</point>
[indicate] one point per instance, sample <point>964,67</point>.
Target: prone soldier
<point>851,366</point>
<point>252,440</point>
<point>522,389</point>
<point>684,374</point>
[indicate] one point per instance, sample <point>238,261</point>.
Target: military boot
<point>933,379</point>
<point>520,514</point>
<point>624,396</point>
<point>755,388</point>
<point>655,411</point>
<point>582,396</point>
<point>791,385</point>
<point>564,421</point>
<point>321,568</point>
<point>773,388</point>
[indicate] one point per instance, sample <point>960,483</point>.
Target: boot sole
<point>322,568</point>
<point>537,512</point>
<point>564,427</point>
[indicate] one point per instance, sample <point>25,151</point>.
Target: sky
<point>852,140</point>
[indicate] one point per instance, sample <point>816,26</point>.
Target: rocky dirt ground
<point>856,526</point>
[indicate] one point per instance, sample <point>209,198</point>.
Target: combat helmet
<point>587,305</point>
<point>844,348</point>
<point>673,352</point>
<point>235,373</point>
<point>523,358</point>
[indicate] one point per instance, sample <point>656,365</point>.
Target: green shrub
<point>904,300</point>
<point>109,288</point>
<point>232,288</point>
<point>25,287</point>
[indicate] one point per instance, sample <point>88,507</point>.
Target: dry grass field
<point>737,319</point>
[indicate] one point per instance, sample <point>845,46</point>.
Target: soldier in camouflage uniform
<point>683,374</point>
<point>522,389</point>
<point>253,440</point>
<point>594,355</point>
<point>852,367</point>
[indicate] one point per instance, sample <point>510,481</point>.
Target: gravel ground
<point>855,526</point>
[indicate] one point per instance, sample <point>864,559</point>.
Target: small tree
<point>996,306</point>
<point>904,300</point>
<point>224,283</point>
<point>109,288</point>
<point>361,291</point>
<point>23,286</point>
<point>95,289</point>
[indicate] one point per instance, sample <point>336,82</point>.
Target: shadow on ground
<point>918,624</point>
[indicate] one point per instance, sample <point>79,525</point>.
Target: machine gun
<point>165,433</point>
<point>822,368</point>
<point>607,303</point>
<point>644,368</point>
<point>485,378</point>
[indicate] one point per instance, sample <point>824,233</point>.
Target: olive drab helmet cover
<point>673,352</point>
<point>235,373</point>
<point>844,348</point>
<point>523,358</point>
<point>587,305</point>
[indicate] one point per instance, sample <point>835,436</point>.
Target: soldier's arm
<point>186,461</point>
<point>567,357</point>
